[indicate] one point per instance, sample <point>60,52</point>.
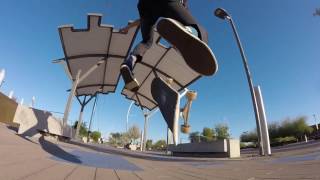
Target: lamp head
<point>221,13</point>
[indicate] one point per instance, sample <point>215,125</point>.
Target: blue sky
<point>280,39</point>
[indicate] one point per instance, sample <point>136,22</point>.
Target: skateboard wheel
<point>185,129</point>
<point>169,81</point>
<point>191,95</point>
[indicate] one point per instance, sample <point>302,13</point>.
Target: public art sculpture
<point>93,57</point>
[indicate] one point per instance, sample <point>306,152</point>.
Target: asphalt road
<point>288,147</point>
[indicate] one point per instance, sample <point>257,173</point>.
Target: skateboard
<point>169,104</point>
<point>195,52</point>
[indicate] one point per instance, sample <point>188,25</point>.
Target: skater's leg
<point>147,26</point>
<point>177,11</point>
<point>195,50</point>
<point>147,22</point>
<point>148,19</point>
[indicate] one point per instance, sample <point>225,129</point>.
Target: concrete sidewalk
<point>148,155</point>
<point>44,159</point>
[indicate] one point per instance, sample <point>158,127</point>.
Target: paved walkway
<point>43,159</point>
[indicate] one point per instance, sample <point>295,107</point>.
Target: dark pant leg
<point>147,37</point>
<point>177,11</point>
<point>149,15</point>
<point>151,10</point>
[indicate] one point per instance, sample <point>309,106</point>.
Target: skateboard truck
<point>185,111</point>
<point>168,101</point>
<point>169,81</point>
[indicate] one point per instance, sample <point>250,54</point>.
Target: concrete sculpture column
<point>263,122</point>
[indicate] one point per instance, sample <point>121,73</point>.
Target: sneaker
<point>131,83</point>
<point>196,53</point>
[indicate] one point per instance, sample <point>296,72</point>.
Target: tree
<point>95,135</point>
<point>208,134</point>
<point>124,139</point>
<point>273,129</point>
<point>114,139</point>
<point>133,133</point>
<point>194,137</point>
<point>287,131</point>
<point>149,144</point>
<point>83,132</point>
<point>118,139</point>
<point>160,145</point>
<point>286,128</point>
<point>300,127</point>
<point>249,136</point>
<point>297,127</point>
<point>115,135</point>
<point>222,131</point>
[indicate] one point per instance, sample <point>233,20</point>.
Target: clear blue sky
<point>281,40</point>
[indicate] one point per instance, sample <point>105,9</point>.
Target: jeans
<point>151,10</point>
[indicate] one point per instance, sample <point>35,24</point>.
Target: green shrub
<point>222,131</point>
<point>160,145</point>
<point>244,145</point>
<point>283,140</point>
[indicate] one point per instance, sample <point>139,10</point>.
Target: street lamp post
<point>127,121</point>
<point>92,114</point>
<point>222,14</point>
<point>146,118</point>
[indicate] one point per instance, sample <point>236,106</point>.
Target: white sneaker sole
<point>195,52</point>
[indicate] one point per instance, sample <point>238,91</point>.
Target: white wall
<point>31,120</point>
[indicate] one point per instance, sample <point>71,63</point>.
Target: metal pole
<point>253,97</point>
<point>2,76</point>
<point>146,119</point>
<point>73,90</point>
<point>129,109</point>
<point>79,121</point>
<point>141,141</point>
<point>92,113</point>
<point>33,101</point>
<point>315,121</point>
<point>68,106</point>
<point>145,131</point>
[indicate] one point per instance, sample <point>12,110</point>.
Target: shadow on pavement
<point>56,151</point>
<point>92,159</point>
<point>15,130</point>
<point>297,158</point>
<point>12,128</point>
